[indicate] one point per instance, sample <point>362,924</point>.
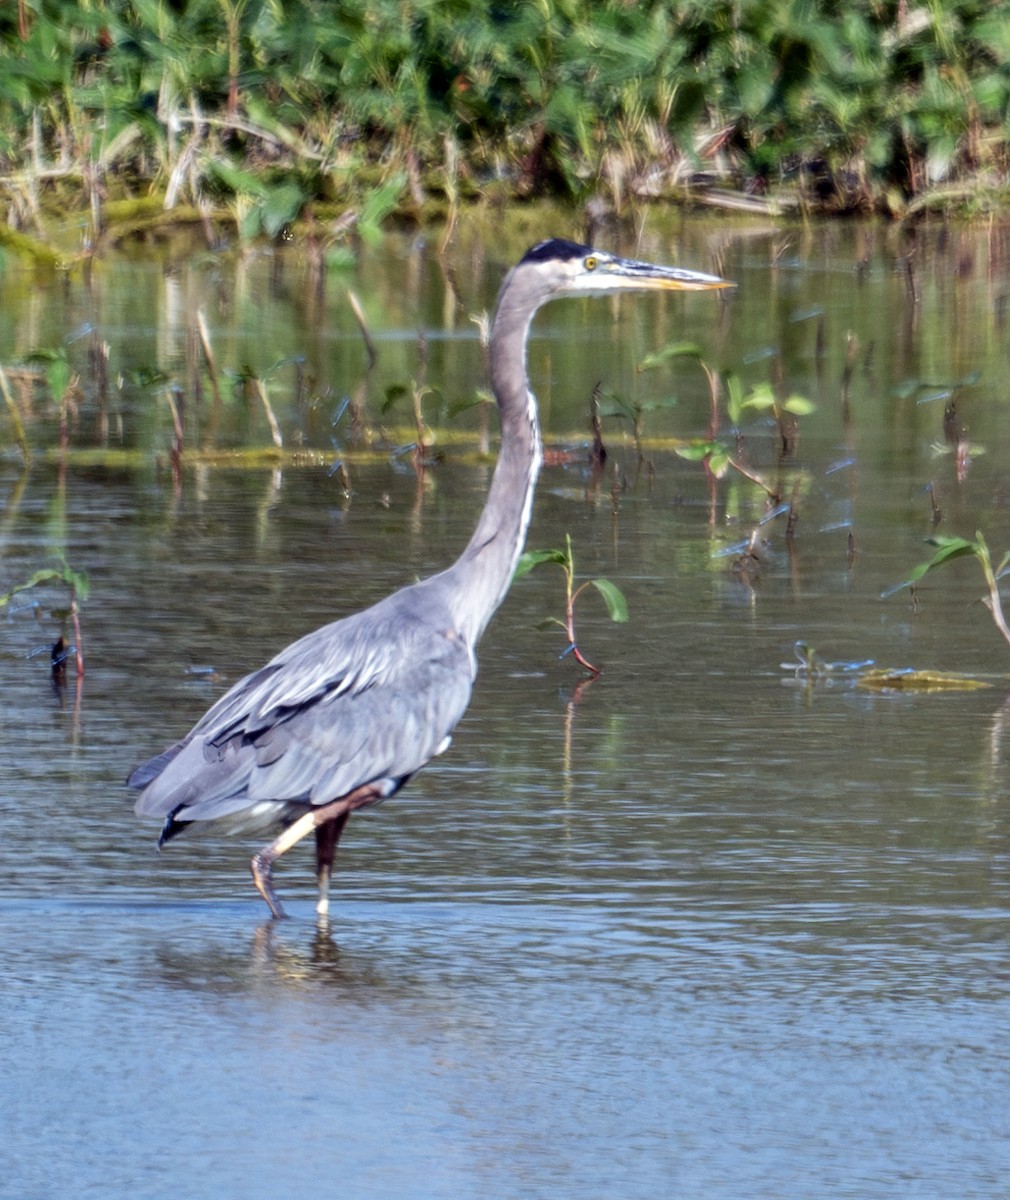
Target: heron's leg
<point>263,861</point>
<point>327,837</point>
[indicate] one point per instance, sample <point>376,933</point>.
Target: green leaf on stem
<point>614,599</point>
<point>799,406</point>
<point>673,350</point>
<point>949,547</point>
<point>533,558</point>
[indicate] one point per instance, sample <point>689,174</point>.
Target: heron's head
<point>561,268</point>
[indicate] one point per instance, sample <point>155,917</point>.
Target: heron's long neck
<point>484,570</point>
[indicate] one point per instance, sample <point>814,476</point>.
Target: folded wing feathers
<point>369,698</point>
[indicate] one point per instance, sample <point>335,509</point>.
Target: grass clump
<point>269,109</point>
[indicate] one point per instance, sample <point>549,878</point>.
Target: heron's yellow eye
<point>590,263</point>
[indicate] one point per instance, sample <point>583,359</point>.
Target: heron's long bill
<point>613,274</point>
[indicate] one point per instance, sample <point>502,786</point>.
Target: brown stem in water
<point>570,599</point>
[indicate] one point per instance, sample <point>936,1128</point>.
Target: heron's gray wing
<point>379,733</point>
<point>368,699</point>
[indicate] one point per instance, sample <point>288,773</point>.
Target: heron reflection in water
<point>344,716</point>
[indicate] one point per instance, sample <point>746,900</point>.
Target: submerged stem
<point>994,603</point>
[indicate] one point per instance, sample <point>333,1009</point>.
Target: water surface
<point>706,927</point>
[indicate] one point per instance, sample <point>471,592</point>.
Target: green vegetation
<point>718,455</point>
<point>265,112</point>
<point>612,595</point>
<point>75,584</point>
<point>950,548</point>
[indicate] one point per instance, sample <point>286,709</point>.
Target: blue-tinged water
<point>710,927</point>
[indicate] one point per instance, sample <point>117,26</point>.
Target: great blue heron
<point>344,716</point>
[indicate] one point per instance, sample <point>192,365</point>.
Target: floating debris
<point>907,679</point>
<point>808,664</point>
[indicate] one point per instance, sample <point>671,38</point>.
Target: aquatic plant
<point>635,412</point>
<point>76,587</point>
<point>247,383</point>
<point>762,399</point>
<point>417,392</point>
<point>950,548</point>
<point>63,384</point>
<point>719,455</point>
<point>613,597</point>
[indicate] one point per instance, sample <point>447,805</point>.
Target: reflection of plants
<point>612,595</point>
<point>62,383</point>
<point>949,548</point>
<point>247,383</point>
<point>76,585</point>
<point>15,416</point>
<point>58,371</point>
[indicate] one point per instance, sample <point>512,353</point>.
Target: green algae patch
<point>902,679</point>
<point>29,248</point>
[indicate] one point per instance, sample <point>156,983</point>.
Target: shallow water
<point>706,927</point>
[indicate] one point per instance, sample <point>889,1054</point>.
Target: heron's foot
<point>260,865</point>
